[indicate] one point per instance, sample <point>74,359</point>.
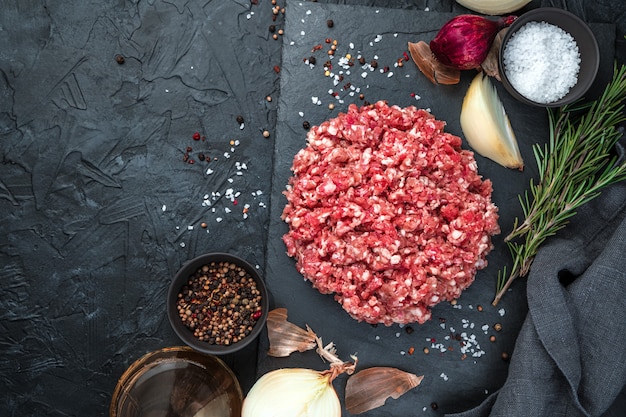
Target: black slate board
<point>382,34</point>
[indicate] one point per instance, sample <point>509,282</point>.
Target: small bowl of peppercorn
<point>217,303</point>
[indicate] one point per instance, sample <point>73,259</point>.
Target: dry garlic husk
<point>486,125</point>
<point>493,7</point>
<point>434,70</point>
<point>370,388</point>
<point>285,337</point>
<point>490,64</point>
<point>292,392</point>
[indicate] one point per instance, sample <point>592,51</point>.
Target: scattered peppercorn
<point>266,134</point>
<point>492,338</point>
<point>331,106</point>
<point>479,308</point>
<point>281,32</point>
<point>119,59</point>
<point>408,329</point>
<point>361,60</point>
<point>312,60</point>
<point>434,406</point>
<point>330,23</point>
<point>426,351</point>
<point>374,64</point>
<point>201,156</point>
<point>497,327</point>
<point>203,225</point>
<point>306,125</point>
<point>276,69</point>
<point>272,28</point>
<point>220,303</point>
<point>268,98</point>
<point>240,119</point>
<point>505,356</point>
<point>196,136</point>
<point>411,350</point>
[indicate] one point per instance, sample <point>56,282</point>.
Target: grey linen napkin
<point>570,355</point>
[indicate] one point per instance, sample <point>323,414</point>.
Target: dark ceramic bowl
<point>587,46</point>
<point>182,278</point>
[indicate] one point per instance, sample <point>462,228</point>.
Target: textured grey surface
<point>99,210</point>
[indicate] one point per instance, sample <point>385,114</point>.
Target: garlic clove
<point>292,392</point>
<point>486,126</point>
<point>370,388</point>
<point>493,7</point>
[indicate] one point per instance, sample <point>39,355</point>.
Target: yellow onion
<point>486,126</point>
<point>292,392</point>
<point>464,41</point>
<point>493,7</point>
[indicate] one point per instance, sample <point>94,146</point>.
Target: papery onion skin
<point>292,392</point>
<point>464,41</point>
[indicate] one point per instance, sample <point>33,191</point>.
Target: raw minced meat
<point>386,211</point>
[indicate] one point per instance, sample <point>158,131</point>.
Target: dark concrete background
<point>99,210</point>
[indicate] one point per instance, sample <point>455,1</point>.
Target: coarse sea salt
<point>542,62</point>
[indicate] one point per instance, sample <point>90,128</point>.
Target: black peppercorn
<point>362,61</point>
<point>119,59</point>
<point>312,60</point>
<point>240,119</point>
<point>330,23</point>
<point>272,28</point>
<point>306,125</point>
<point>217,300</point>
<point>374,64</point>
<point>201,156</point>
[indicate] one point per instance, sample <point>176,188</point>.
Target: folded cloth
<point>570,355</point>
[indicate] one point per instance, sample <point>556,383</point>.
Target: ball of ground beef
<point>386,211</point>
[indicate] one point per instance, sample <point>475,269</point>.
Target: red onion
<point>464,41</point>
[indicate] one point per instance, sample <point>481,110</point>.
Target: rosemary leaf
<point>574,166</point>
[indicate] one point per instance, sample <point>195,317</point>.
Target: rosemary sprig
<point>574,166</point>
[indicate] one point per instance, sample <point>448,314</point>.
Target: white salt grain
<point>542,61</point>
